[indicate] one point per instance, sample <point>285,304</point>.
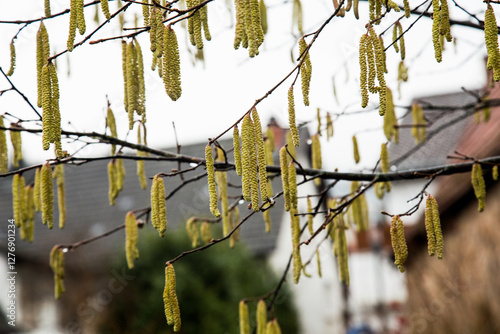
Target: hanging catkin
<point>244,320</point>
<point>391,130</point>
<point>284,177</point>
<point>433,228</point>
<point>37,191</point>
<point>141,172</point>
<point>72,24</point>
<point>247,142</point>
<point>491,39</point>
<point>47,195</point>
<point>51,122</point>
<point>355,149</point>
<point>329,126</point>
<point>105,9</point>
<point>317,162</point>
<point>212,192</point>
<point>494,173</point>
<point>248,28</point>
<point>29,214</point>
<point>273,327</point>
<point>15,139</point>
<point>131,237</point>
<point>42,53</point>
<point>297,260</point>
<point>237,150</point>
<point>171,65</point>
<point>170,301</point>
<point>158,206</point>
<point>222,189</point>
<point>261,154</point>
<point>363,65</point>
<point>478,185</point>
<point>305,70</point>
<point>12,58</point>
<point>57,265</point>
<point>16,199</point>
<point>80,17</point>
<point>292,182</point>
<point>297,16</point>
<point>192,232</point>
<point>398,241</point>
<point>206,234</point>
<point>291,118</point>
<point>310,216</point>
<point>61,197</point>
<point>254,178</point>
<point>261,317</point>
<point>342,253</point>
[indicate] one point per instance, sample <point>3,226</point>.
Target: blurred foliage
<point>210,285</point>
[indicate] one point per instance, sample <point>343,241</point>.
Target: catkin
<point>16,199</point>
<point>419,124</point>
<point>171,303</point>
<point>171,65</point>
<point>329,126</point>
<point>105,9</point>
<point>212,192</point>
<point>391,131</point>
<point>237,150</point>
<point>222,189</point>
<point>284,177</point>
<point>273,327</point>
<point>61,197</point>
<point>379,59</point>
<point>29,217</point>
<point>248,28</point>
<point>4,156</point>
<point>15,139</point>
<point>316,156</point>
<point>261,317</point>
<point>291,118</point>
<point>160,207</point>
<point>406,5</point>
<point>244,320</point>
<point>47,195</point>
<point>51,122</point>
<point>478,185</point>
<point>131,237</point>
<point>247,142</point>
<point>305,70</point>
<point>263,16</point>
<point>342,253</point>
<point>12,58</point>
<point>355,149</point>
<point>120,175</point>
<point>80,17</point>
<point>254,179</point>
<point>433,227</point>
<point>297,16</point>
<point>192,231</point>
<point>292,183</point>
<point>206,234</point>
<point>310,216</point>
<point>384,158</point>
<point>398,241</point>
<point>111,124</point>
<point>261,154</point>
<point>491,39</point>
<point>112,189</point>
<point>363,65</point>
<point>37,199</point>
<point>494,173</point>
<point>297,260</point>
<point>57,265</point>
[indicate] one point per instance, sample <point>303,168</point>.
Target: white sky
<point>220,91</point>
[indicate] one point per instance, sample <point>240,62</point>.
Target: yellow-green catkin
<point>380,65</point>
<point>247,145</point>
<point>244,320</point>
<point>296,258</point>
<point>42,53</point>
<point>254,179</point>
<point>358,210</point>
<point>318,120</point>
<point>16,200</point>
<point>37,191</point>
<point>80,17</point>
<point>318,264</point>
<point>111,124</point>
<point>212,192</point>
<point>355,149</point>
<point>491,39</point>
<point>273,327</point>
<point>297,17</point>
<point>47,8</point>
<point>113,187</point>
<point>29,214</point>
<point>261,154</point>
<point>222,189</point>
<point>419,128</point>
<point>291,118</point>
<point>171,64</point>
<point>206,233</point>
<point>317,162</point>
<point>398,241</point>
<point>284,177</point>
<point>329,126</point>
<point>494,173</point>
<point>47,195</point>
<point>342,253</point>
<point>12,58</point>
<point>131,237</point>
<point>105,9</point>
<point>4,155</point>
<point>61,197</point>
<point>382,187</point>
<point>261,317</point>
<point>292,182</point>
<point>397,32</point>
<point>158,206</point>
<point>310,216</point>
<point>192,232</point>
<point>170,301</point>
<point>290,145</point>
<point>391,130</point>
<point>478,185</point>
<point>51,123</point>
<point>141,171</point>
<point>57,265</point>
<point>237,150</point>
<point>433,228</point>
<point>15,139</point>
<point>73,16</point>
<point>363,66</point>
<point>263,16</point>
<point>120,175</point>
<point>406,5</point>
<point>248,27</point>
<point>305,70</point>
